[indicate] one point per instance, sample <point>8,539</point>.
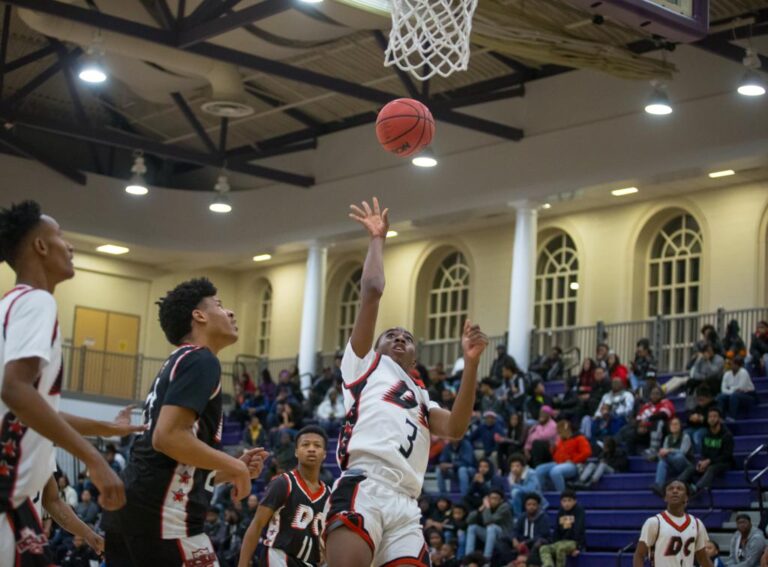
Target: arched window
<point>265,320</point>
<point>674,268</point>
<point>557,284</point>
<point>448,299</point>
<point>349,306</point>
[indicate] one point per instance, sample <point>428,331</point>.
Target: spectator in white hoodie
<point>737,390</point>
<point>331,412</point>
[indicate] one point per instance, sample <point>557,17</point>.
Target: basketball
<point>404,127</point>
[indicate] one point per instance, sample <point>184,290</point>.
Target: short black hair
<point>715,409</point>
<point>15,223</point>
<point>645,343</point>
<point>685,484</point>
<point>317,430</point>
<point>704,391</point>
<point>518,458</point>
<point>568,493</point>
<point>532,496</point>
<point>498,491</point>
<point>178,304</point>
<point>743,517</point>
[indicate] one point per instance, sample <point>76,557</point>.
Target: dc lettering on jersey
<point>676,545</point>
<point>201,558</point>
<point>306,517</point>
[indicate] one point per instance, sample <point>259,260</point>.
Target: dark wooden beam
<point>17,97</point>
<point>402,75</point>
<point>223,136</point>
<point>181,102</point>
<point>295,113</point>
<point>208,10</point>
<point>24,60</point>
<point>4,44</point>
<point>12,142</point>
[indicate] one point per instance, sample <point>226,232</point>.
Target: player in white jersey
<point>673,538</point>
<point>372,514</point>
<point>30,384</point>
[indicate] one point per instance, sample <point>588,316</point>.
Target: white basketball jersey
<point>30,329</point>
<point>387,421</point>
<point>673,541</point>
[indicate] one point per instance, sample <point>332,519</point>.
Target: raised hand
<point>375,221</point>
<point>122,423</point>
<point>255,459</point>
<point>473,342</point>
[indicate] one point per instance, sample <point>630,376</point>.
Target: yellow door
<point>90,338</point>
<point>121,349</point>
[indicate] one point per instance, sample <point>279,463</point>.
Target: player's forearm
<point>65,516</point>
<point>23,399</point>
<point>250,543</point>
<point>85,426</point>
<point>183,446</point>
<point>638,560</point>
<point>372,280</point>
<point>465,401</point>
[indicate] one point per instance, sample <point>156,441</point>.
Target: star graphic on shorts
<point>5,469</point>
<point>178,496</point>
<point>15,426</point>
<point>9,448</point>
<point>184,477</point>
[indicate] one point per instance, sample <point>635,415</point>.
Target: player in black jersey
<point>292,509</point>
<point>175,464</point>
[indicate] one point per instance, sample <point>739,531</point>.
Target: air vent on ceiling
<point>226,109</point>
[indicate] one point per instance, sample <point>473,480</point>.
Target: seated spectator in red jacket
<point>615,368</point>
<point>649,425</point>
<point>570,451</point>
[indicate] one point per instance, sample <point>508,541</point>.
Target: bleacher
<point>620,503</point>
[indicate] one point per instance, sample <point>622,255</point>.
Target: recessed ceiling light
<point>113,249</point>
<point>724,173</point>
<point>392,233</point>
<point>546,206</point>
<point>262,257</point>
<point>574,286</point>
<point>625,191</point>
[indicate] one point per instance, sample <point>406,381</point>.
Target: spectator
<point>648,428</point>
<point>620,402</point>
<point>484,436</point>
<point>488,401</point>
<point>550,367</point>
<point>675,456</point>
<point>612,459</point>
<point>434,541</point>
<point>544,430</point>
<point>570,451</point>
<point>644,365</point>
<point>716,453</point>
<point>757,361</point>
<point>615,368</point>
<point>569,537</point>
<point>708,336</point>
<point>330,412</point>
<point>322,385</point>
<point>578,407</point>
<point>439,516</point>
<point>447,398</point>
<point>482,483</point>
<point>747,544</point>
<point>502,359</point>
<point>447,557</point>
<point>254,435</point>
<point>532,529</point>
<point>284,451</point>
<point>229,540</point>
<point>737,395</point>
<point>513,441</point>
<point>537,400</point>
<point>66,492</point>
<point>520,482</point>
<point>246,382</point>
<point>601,355</point>
<point>251,504</point>
<point>212,524</point>
<point>114,458</point>
<point>733,344</point>
<point>713,552</point>
<point>457,464</point>
<point>455,529</point>
<point>87,510</point>
<point>697,418</point>
<point>78,555</point>
<point>515,387</point>
<point>586,376</point>
<point>707,369</point>
<point>489,523</point>
<point>268,387</point>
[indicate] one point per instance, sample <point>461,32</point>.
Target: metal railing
<point>757,482</point>
<point>447,352</point>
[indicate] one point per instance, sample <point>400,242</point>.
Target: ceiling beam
<point>208,10</point>
<point>223,130</point>
<point>133,142</point>
<point>4,45</point>
<point>729,51</point>
<point>181,102</point>
<point>402,75</point>
<point>248,153</point>
<point>18,96</point>
<point>160,12</point>
<point>221,25</point>
<point>12,142</point>
<point>24,60</point>
<point>295,113</point>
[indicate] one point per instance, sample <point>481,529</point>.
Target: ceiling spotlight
<point>392,233</point>
<point>658,103</point>
<point>425,159</point>
<point>311,1</point>
<point>221,203</point>
<point>724,173</point>
<point>262,257</point>
<point>574,286</point>
<point>546,206</point>
<point>137,185</point>
<point>92,68</point>
<point>113,249</point>
<point>624,191</point>
<point>752,84</point>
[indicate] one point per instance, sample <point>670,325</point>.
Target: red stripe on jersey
<point>678,527</point>
<point>178,360</point>
<point>17,288</point>
<point>10,307</point>
<point>364,377</point>
<point>181,551</point>
<point>314,497</point>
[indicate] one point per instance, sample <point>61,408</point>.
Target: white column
<point>311,314</point>
<point>521,292</point>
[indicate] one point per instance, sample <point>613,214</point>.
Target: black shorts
<point>140,550</point>
<point>22,541</point>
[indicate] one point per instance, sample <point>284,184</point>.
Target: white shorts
<point>22,542</point>
<point>388,520</point>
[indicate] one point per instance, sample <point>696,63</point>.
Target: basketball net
<point>430,37</point>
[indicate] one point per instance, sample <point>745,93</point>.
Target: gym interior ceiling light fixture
<point>137,185</point>
<point>752,84</point>
<point>425,159</point>
<point>392,233</point>
<point>723,173</point>
<point>92,68</point>
<point>624,191</point>
<point>113,249</point>
<point>574,286</point>
<point>221,203</point>
<point>262,257</point>
<point>546,206</point>
<point>658,103</point>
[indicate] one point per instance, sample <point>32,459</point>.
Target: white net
<point>430,37</point>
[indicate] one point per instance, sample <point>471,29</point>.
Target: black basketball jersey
<point>166,498</point>
<point>298,520</point>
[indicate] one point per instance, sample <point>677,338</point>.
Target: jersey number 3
<point>410,438</point>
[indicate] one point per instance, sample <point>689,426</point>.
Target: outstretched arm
<point>453,424</point>
<point>641,552</point>
<point>120,427</point>
<point>253,533</point>
<point>65,516</point>
<point>376,222</point>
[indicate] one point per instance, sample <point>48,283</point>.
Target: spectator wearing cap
<point>484,436</point>
<point>497,368</point>
<point>747,544</point>
<point>545,430</point>
<point>644,364</point>
<point>457,464</point>
<point>716,453</point>
<point>571,450</point>
<point>489,523</point>
<point>737,392</point>
<point>757,360</point>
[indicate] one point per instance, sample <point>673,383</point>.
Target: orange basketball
<point>404,127</point>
